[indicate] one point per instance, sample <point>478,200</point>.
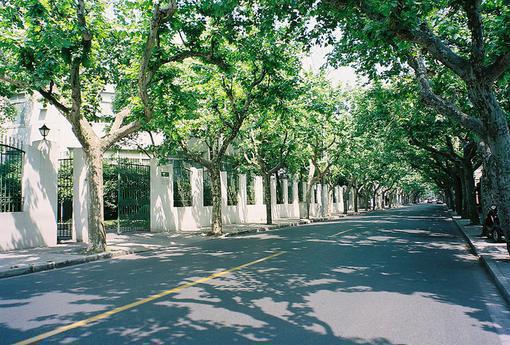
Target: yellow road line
<point>341,232</point>
<point>151,298</point>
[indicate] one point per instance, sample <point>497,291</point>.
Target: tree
<point>269,145</point>
<point>387,120</point>
<point>319,134</point>
<point>212,101</point>
<point>69,51</point>
<point>468,39</point>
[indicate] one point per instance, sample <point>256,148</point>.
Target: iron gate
<point>127,195</point>
<point>133,196</point>
<point>65,200</point>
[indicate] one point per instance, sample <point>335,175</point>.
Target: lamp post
<point>44,130</point>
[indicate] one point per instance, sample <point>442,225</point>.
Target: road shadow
<point>352,288</point>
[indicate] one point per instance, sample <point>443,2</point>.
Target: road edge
<point>14,272</point>
<point>499,279</point>
<point>34,268</point>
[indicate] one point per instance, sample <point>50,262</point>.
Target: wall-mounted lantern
<point>44,130</point>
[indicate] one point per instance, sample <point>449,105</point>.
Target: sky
<point>317,58</point>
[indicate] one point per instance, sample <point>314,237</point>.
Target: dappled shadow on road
<point>364,286</point>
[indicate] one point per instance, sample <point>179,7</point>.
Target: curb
<point>17,271</point>
<point>287,225</point>
<point>501,281</point>
<point>498,277</point>
<point>76,261</point>
<point>264,228</point>
<point>472,247</point>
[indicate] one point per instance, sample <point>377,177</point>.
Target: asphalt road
<point>393,277</point>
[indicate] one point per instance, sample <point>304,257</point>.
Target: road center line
<point>341,232</point>
<point>151,298</point>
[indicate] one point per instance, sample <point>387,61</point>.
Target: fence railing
<point>182,183</point>
<point>11,174</point>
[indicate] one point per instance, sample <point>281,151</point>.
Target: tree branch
<point>472,9</point>
<point>183,55</point>
<point>498,67</point>
<point>442,106</point>
<point>435,152</point>
<point>121,132</point>
<point>195,156</point>
<point>119,118</point>
<point>159,16</point>
<point>422,35</point>
<point>50,97</point>
<point>86,36</point>
<point>241,115</point>
<point>253,85</point>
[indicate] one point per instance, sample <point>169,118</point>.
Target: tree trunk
<point>463,211</point>
<point>449,198</point>
<point>457,185</point>
<point>367,200</point>
<point>267,199</point>
<point>97,232</point>
<point>470,193</point>
<point>489,192</point>
<point>501,154</point>
<point>216,221</point>
<point>355,198</point>
<point>346,195</point>
<point>495,121</point>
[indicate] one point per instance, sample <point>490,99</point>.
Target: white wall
<point>165,217</point>
<point>36,225</point>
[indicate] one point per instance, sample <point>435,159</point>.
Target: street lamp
<point>44,130</point>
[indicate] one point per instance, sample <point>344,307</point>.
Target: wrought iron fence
<point>65,199</point>
<point>133,196</point>
<point>11,175</point>
<point>207,188</point>
<point>290,191</point>
<point>279,189</point>
<point>232,171</point>
<point>182,183</point>
<point>232,187</point>
<point>111,190</point>
<point>127,194</point>
<point>335,197</point>
<point>301,191</point>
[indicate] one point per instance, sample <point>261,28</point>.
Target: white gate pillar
<point>81,197</point>
<point>243,199</point>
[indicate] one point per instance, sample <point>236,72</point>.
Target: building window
<point>42,114</point>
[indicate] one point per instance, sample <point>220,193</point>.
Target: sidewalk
<point>18,262</point>
<point>494,256</point>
